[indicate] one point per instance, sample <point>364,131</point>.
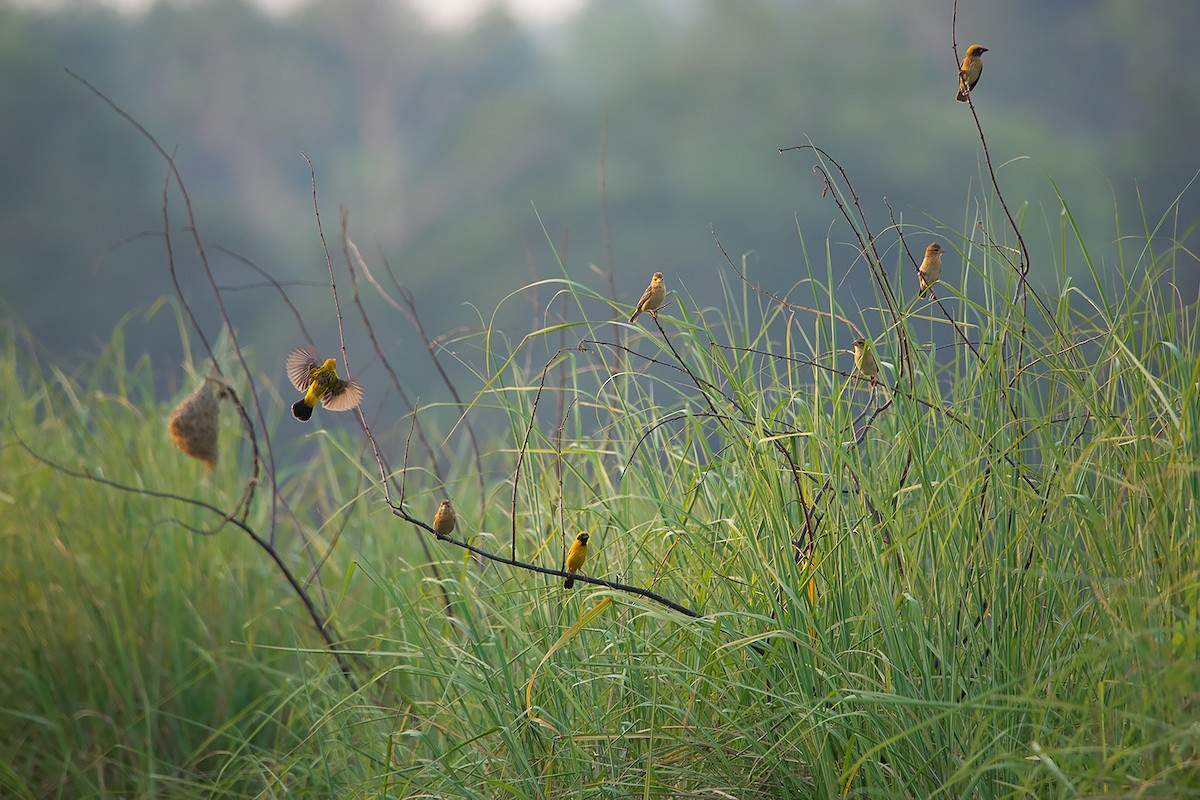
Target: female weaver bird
<point>320,383</point>
<point>652,298</point>
<point>931,268</point>
<point>864,359</point>
<point>969,72</point>
<point>577,554</point>
<point>445,519</point>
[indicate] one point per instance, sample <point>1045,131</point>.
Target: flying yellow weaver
<point>320,383</point>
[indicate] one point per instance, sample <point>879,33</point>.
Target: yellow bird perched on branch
<point>652,298</point>
<point>320,384</point>
<point>576,557</point>
<point>930,270</point>
<point>969,72</point>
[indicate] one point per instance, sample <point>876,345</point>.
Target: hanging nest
<point>193,423</point>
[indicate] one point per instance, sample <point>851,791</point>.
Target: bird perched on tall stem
<point>444,520</point>
<point>864,359</point>
<point>652,298</point>
<point>930,270</point>
<point>576,555</point>
<point>969,72</point>
<point>320,384</point>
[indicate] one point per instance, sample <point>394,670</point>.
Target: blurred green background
<point>442,142</point>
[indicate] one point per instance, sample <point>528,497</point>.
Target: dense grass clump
<point>975,578</point>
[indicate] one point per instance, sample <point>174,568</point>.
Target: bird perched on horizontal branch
<point>445,519</point>
<point>576,557</point>
<point>864,359</point>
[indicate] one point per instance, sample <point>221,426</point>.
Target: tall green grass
<point>1005,565</point>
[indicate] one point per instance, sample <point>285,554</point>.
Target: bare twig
<point>323,625</point>
<point>558,573</point>
<point>521,453</point>
<point>866,241</point>
<point>257,458</point>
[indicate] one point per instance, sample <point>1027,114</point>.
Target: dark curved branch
<point>257,460</point>
<point>557,573</point>
<point>323,625</point>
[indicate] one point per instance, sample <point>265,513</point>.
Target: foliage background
<point>442,143</point>
<point>1041,637</point>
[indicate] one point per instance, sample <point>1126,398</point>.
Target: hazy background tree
<point>443,142</point>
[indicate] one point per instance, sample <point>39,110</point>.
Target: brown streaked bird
<point>444,520</point>
<point>969,72</point>
<point>320,384</point>
<point>652,298</point>
<point>576,556</point>
<point>930,270</point>
<point>864,359</point>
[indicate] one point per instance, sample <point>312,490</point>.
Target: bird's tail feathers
<point>569,583</point>
<point>302,410</point>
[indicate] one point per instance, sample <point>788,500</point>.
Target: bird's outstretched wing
<point>345,397</point>
<point>300,364</point>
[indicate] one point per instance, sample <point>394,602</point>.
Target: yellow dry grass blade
<point>568,634</point>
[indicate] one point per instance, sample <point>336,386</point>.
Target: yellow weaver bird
<point>652,298</point>
<point>864,359</point>
<point>576,556</point>
<point>320,383</point>
<point>969,72</point>
<point>445,519</point>
<point>930,270</point>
